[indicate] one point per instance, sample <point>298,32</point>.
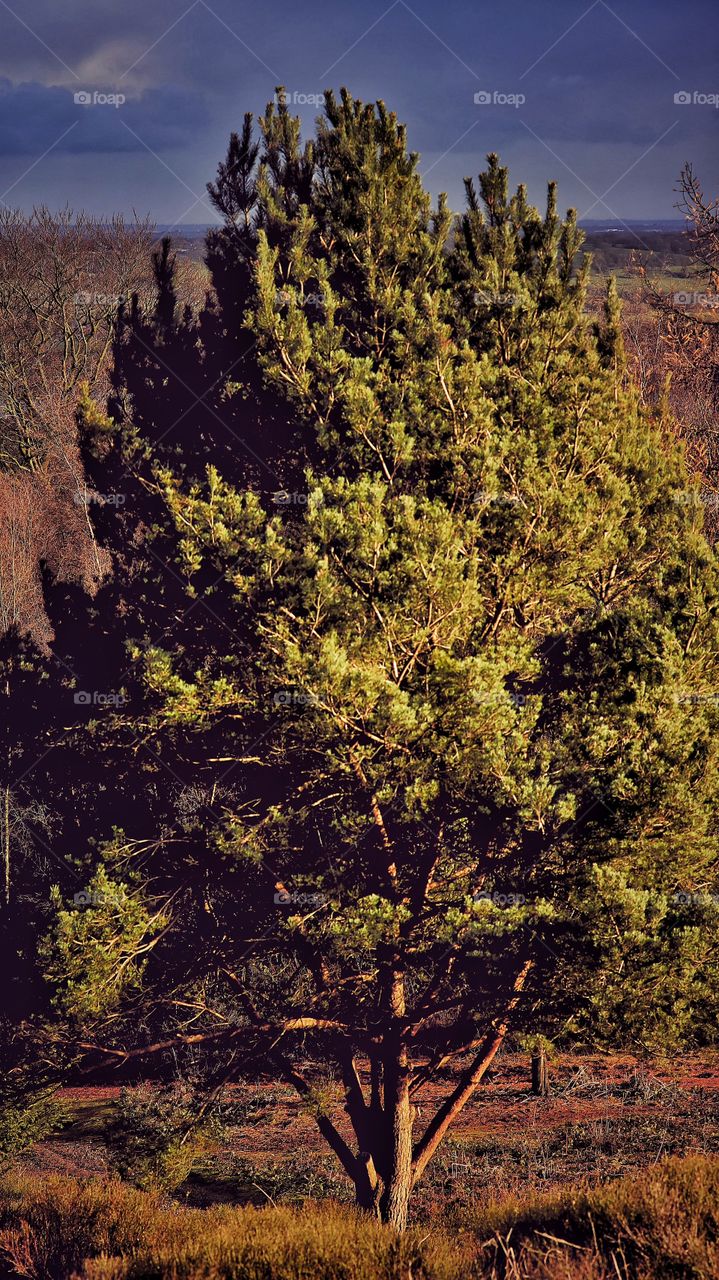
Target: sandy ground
<point>584,1089</point>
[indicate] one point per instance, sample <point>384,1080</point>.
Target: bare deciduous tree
<point>62,278</point>
<point>673,343</point>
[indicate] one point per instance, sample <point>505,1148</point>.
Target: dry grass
<point>662,1227</point>
<point>591,1131</point>
<point>56,1227</point>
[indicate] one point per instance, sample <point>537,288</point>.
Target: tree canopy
<point>450,709</point>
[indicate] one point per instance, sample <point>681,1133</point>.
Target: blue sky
<point>581,92</point>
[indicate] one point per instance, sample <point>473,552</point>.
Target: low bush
<point>155,1140</point>
<point>54,1228</point>
<point>49,1225</point>
<point>27,1118</point>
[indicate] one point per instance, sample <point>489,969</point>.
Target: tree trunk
<point>6,846</point>
<point>394,1205</point>
<point>540,1074</point>
<point>468,1081</point>
<point>398,1114</point>
<point>367,1186</point>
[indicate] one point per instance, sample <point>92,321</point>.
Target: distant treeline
<point>611,249</point>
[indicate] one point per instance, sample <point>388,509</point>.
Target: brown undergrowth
<point>661,1227</point>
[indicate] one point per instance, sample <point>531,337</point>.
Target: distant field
<point>664,255</point>
<point>661,258</point>
<point>634,258</point>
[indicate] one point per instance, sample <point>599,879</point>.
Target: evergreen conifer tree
<point>467,691</point>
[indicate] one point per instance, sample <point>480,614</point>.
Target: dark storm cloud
<point>598,82</point>
<point>34,117</point>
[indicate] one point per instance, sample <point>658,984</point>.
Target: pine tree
<point>164,263</point>
<point>469,696</point>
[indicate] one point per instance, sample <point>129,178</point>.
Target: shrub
<point>26,1119</point>
<point>155,1140</point>
<point>54,1228</point>
<point>298,1177</point>
<point>49,1225</point>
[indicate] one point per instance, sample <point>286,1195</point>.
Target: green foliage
<point>92,422</point>
<point>490,624</point>
<point>155,1139</point>
<point>658,960</point>
<point>30,1108</point>
<point>27,1116</point>
<point>466,664</point>
<point>98,948</point>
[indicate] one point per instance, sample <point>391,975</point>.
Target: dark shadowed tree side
<point>80,505</point>
<point>61,277</point>
<point>466,686</point>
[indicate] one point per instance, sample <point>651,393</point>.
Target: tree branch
<point>468,1082</point>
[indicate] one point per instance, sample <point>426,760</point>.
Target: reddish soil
<point>275,1127</point>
